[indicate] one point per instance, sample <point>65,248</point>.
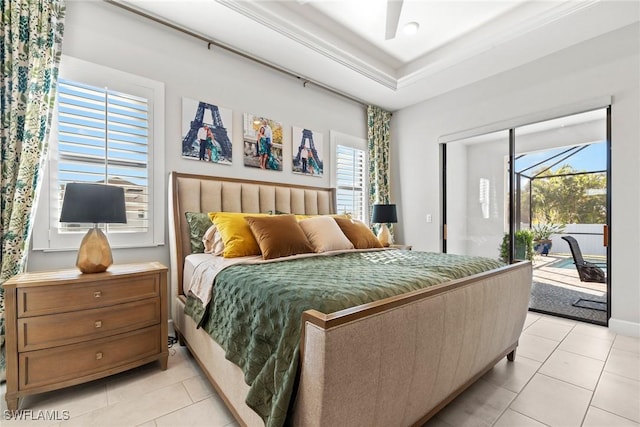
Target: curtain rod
<point>211,42</point>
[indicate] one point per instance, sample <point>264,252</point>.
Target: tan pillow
<point>324,234</point>
<point>358,233</point>
<point>213,243</point>
<point>300,217</point>
<point>278,236</point>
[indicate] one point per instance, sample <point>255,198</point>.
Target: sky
<point>592,158</point>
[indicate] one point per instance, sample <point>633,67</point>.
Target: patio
<point>556,288</point>
<point>562,191</point>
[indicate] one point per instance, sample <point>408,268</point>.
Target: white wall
<point>107,35</point>
<point>605,66</point>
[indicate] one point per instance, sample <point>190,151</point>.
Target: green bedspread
<point>256,309</point>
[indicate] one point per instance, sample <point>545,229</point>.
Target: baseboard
<point>624,327</point>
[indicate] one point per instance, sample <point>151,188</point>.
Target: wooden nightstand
<point>65,328</point>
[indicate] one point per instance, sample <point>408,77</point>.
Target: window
<point>350,178</point>
<point>104,131</point>
<point>103,138</point>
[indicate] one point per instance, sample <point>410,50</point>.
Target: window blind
<point>350,181</point>
<point>103,137</point>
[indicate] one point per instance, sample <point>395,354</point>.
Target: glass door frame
<point>607,238</point>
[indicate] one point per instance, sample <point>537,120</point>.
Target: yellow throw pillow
<point>236,234</point>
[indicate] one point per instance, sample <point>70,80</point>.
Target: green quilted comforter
<point>255,309</point>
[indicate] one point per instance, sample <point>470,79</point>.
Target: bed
<point>396,360</point>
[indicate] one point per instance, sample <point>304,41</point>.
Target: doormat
<point>558,301</point>
<point>590,303</point>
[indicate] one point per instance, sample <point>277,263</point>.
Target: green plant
<point>544,231</point>
<point>524,245</point>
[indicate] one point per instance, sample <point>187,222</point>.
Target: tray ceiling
<point>342,45</point>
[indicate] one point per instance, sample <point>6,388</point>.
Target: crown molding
<point>269,19</point>
<point>288,37</point>
<point>418,69</point>
<point>456,52</point>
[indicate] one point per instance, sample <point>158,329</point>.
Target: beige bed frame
<point>394,362</point>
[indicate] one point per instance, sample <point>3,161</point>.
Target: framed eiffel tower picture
<point>307,152</point>
<point>205,136</point>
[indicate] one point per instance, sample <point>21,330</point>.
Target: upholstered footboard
<point>398,361</point>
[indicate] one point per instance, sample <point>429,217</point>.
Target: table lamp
<point>384,214</point>
<point>96,203</point>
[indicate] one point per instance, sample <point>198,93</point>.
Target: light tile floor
<point>566,373</point>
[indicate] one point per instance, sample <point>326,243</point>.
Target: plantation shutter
<point>103,137</point>
<point>350,181</point>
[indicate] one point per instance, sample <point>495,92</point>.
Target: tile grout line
<point>528,381</point>
<point>584,417</point>
<point>177,409</point>
<point>593,392</point>
<point>528,416</point>
<point>536,372</point>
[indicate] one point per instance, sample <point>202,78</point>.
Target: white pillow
<point>324,234</point>
<point>213,243</point>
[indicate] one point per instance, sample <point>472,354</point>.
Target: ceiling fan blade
<point>394,7</point>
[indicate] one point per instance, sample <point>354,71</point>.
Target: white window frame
<point>339,138</point>
<point>46,236</point>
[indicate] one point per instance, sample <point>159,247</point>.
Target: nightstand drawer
<point>73,362</point>
<point>36,301</point>
<point>54,330</point>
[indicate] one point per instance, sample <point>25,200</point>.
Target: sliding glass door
<point>477,194</point>
<point>537,192</point>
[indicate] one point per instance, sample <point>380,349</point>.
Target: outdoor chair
<point>588,271</point>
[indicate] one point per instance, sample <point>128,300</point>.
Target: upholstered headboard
<point>201,193</point>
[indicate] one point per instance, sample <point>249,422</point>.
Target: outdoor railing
<point>589,237</point>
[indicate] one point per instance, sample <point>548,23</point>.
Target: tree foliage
<point>573,199</point>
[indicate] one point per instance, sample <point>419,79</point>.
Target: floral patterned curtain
<point>378,139</point>
<point>30,50</point>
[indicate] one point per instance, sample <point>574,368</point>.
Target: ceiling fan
<point>394,7</point>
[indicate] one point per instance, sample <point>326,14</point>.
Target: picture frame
<point>307,152</point>
<point>205,133</point>
<point>262,142</point>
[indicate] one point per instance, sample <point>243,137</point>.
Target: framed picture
<point>307,152</point>
<point>205,136</point>
<point>262,142</point>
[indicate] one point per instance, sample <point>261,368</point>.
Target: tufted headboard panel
<point>201,193</point>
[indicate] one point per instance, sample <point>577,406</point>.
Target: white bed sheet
<point>190,264</point>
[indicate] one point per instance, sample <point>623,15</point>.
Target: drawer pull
<point>97,294</point>
<point>98,324</point>
<point>99,355</point>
